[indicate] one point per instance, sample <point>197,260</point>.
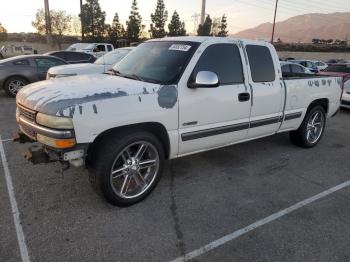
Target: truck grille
<point>26,113</point>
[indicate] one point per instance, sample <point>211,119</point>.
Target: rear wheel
<point>14,84</point>
<point>127,167</point>
<point>312,128</point>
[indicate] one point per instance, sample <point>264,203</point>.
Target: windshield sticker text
<point>183,48</point>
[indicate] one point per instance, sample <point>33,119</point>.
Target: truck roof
<point>201,39</point>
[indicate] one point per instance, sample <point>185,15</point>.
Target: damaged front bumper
<point>41,154</point>
<point>56,145</point>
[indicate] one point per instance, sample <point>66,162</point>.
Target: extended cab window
<point>261,63</point>
<point>224,60</point>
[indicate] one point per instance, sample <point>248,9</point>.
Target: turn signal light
<point>56,143</point>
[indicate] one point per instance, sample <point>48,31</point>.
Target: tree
<point>93,19</point>
<point>75,27</point>
<point>3,33</point>
<point>176,27</point>
<point>205,29</point>
<point>215,25</point>
<point>223,26</point>
<point>133,28</point>
<point>159,19</point>
<point>116,30</point>
<point>60,24</point>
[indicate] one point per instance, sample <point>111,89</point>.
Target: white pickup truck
<point>170,98</point>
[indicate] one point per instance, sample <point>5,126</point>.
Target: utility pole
<point>274,23</point>
<point>82,20</point>
<point>203,12</point>
<point>47,20</point>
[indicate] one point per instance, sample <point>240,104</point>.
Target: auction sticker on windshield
<point>178,47</point>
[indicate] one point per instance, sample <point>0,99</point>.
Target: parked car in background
<point>96,49</point>
<point>320,65</point>
<point>308,64</point>
<point>336,61</point>
<point>169,98</point>
<point>345,101</point>
<point>290,69</point>
<point>16,72</point>
<point>341,70</point>
<point>101,65</point>
<point>73,57</point>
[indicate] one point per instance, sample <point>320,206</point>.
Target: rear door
<point>213,117</point>
<point>267,90</point>
<point>43,64</point>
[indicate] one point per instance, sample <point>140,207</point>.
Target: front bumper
<point>30,131</point>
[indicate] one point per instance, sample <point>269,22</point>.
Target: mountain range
<point>303,28</point>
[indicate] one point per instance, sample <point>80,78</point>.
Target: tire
<point>14,84</point>
<point>308,135</point>
<point>137,178</point>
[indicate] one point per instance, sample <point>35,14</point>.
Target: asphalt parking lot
<point>199,200</point>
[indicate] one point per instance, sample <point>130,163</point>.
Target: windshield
<point>77,46</point>
<point>89,47</point>
<point>112,58</point>
<point>160,62</point>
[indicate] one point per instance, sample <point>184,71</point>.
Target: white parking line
<point>19,230</point>
<point>221,241</point>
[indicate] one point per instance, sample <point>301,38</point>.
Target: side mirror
<point>205,79</point>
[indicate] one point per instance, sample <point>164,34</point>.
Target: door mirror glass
<point>205,79</point>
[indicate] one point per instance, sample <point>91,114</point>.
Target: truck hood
<point>61,96</point>
<point>78,69</point>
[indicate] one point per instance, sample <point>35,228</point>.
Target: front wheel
<point>127,167</point>
<point>312,128</point>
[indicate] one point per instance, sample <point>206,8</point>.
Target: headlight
<point>54,121</point>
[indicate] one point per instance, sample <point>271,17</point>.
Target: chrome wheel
<point>315,127</point>
<point>134,169</point>
<point>14,86</point>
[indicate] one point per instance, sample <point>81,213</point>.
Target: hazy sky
<point>16,15</point>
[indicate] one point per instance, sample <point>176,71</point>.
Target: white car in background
<point>320,65</point>
<point>345,101</point>
<point>290,69</point>
<point>101,65</point>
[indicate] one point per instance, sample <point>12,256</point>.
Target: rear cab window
<point>261,63</point>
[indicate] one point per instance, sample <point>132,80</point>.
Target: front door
<point>213,117</point>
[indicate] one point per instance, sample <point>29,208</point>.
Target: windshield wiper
<point>133,76</point>
<point>113,72</point>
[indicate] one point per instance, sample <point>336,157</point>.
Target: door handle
<point>243,97</point>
